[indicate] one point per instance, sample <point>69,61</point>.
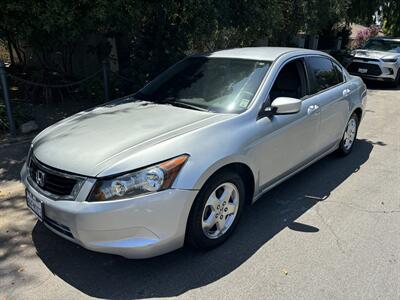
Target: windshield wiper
<point>172,101</point>
<point>186,105</point>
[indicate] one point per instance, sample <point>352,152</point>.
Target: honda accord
<point>176,162</point>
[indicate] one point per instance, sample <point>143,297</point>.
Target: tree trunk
<point>122,43</point>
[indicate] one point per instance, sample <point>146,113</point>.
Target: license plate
<point>34,204</point>
<point>363,71</point>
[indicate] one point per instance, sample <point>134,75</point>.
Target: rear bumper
<point>141,227</point>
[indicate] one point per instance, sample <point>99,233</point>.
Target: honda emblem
<point>40,177</point>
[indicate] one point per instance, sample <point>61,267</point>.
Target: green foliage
<point>361,11</point>
<point>391,17</point>
<point>322,14</point>
<point>151,35</point>
<point>388,12</point>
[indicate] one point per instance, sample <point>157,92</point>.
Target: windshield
<point>383,45</point>
<point>212,84</point>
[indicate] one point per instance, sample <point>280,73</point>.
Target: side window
<point>322,74</point>
<point>290,82</point>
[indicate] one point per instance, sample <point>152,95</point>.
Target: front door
<point>286,142</point>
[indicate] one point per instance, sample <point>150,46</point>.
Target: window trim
<point>340,69</point>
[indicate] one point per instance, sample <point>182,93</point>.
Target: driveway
<point>332,231</point>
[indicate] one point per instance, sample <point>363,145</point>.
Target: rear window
<point>322,74</point>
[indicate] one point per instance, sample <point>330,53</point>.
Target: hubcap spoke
<point>221,224</point>
<point>227,194</point>
<point>213,201</point>
<point>230,208</point>
<point>210,221</point>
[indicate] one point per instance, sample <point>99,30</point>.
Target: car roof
<point>260,53</point>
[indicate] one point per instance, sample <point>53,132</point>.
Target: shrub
<point>364,35</point>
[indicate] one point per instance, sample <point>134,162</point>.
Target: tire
<point>224,211</point>
<point>396,82</point>
<point>349,136</point>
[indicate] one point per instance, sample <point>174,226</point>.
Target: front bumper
<point>141,227</point>
<point>375,78</point>
<point>379,71</point>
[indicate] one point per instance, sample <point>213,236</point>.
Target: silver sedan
<point>177,161</point>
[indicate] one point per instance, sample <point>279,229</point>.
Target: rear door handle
<point>312,108</point>
<point>346,92</point>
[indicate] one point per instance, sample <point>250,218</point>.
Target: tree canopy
<point>153,34</point>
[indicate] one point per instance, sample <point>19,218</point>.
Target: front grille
<point>52,181</point>
<point>371,68</point>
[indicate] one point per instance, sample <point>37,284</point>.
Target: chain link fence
<point>56,100</point>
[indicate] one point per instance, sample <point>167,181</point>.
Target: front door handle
<point>346,92</point>
<point>312,108</point>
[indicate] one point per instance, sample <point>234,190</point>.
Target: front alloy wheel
<point>216,210</point>
<point>220,210</point>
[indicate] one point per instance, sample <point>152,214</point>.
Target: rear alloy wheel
<point>216,210</point>
<point>349,136</point>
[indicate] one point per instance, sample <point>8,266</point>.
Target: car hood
<point>372,54</point>
<point>83,143</point>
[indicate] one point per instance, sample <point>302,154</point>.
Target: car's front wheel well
<point>245,173</point>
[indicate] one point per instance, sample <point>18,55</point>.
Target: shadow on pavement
<point>380,85</point>
<point>108,276</point>
<point>12,157</point>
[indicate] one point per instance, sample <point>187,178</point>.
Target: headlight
<point>391,59</point>
<point>151,179</point>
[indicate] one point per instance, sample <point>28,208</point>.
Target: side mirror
<point>286,105</point>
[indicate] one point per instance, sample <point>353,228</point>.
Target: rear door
<point>326,81</point>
